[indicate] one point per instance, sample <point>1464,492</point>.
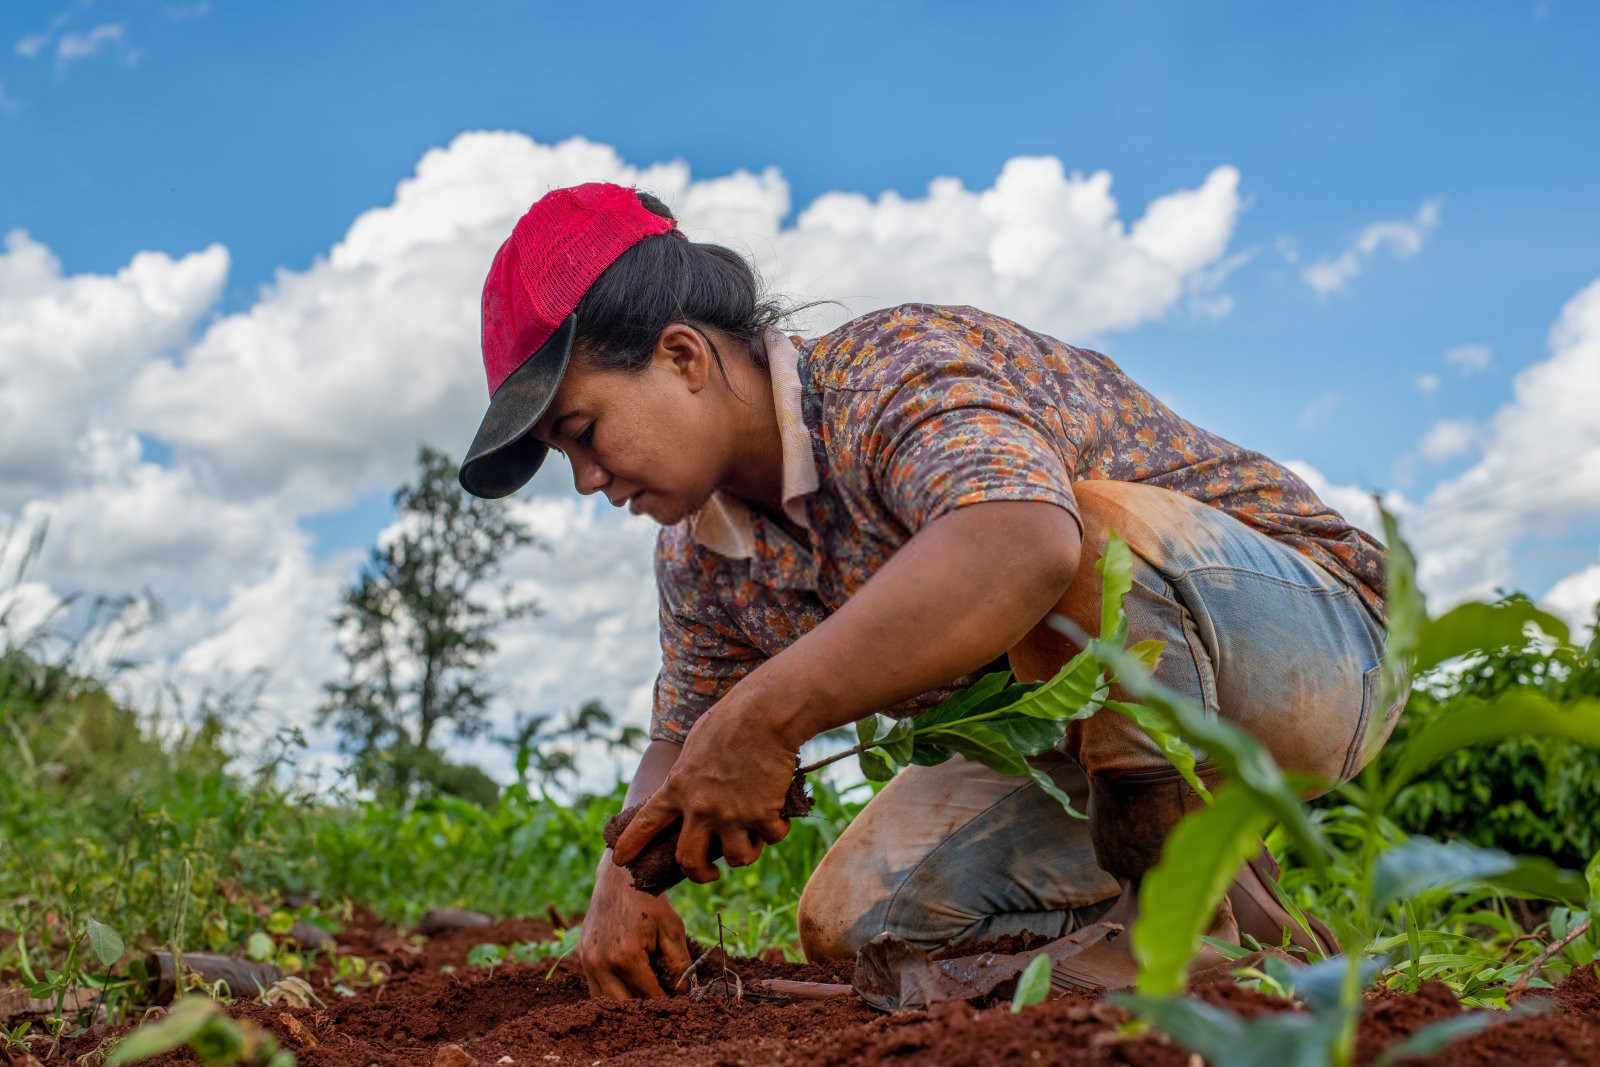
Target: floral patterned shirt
<point>910,413</point>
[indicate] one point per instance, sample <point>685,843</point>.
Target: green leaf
<point>1241,759</point>
<point>487,954</point>
<point>960,704</point>
<point>978,742</point>
<point>1479,627</point>
<point>1284,1039</point>
<point>183,1021</point>
<point>874,768</point>
<point>260,946</point>
<point>1116,579</point>
<point>1045,782</point>
<point>1591,874</point>
<point>1514,713</point>
<point>1034,984</point>
<point>104,942</point>
<point>1177,751</point>
<point>1435,1036</point>
<point>1029,736</point>
<point>866,729</point>
<point>897,744</point>
<point>1179,898</point>
<point>1076,692</point>
<point>1422,864</point>
<point>280,922</point>
<point>1148,652</point>
<point>925,753</point>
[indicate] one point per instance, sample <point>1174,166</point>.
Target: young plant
<point>1000,723</point>
<point>199,1024</point>
<point>1205,850</point>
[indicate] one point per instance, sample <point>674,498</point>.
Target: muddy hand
<point>727,786</point>
<point>622,930</point>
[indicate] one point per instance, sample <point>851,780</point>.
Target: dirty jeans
<point>1257,633</point>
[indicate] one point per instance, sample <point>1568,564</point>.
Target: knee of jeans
<point>830,912</point>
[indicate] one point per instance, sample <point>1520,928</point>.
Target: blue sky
<point>268,129</point>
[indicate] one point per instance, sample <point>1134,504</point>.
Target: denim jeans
<point>1257,633</point>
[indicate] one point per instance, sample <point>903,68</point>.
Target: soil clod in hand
<point>656,869</point>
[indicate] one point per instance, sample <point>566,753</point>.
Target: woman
<point>858,523</point>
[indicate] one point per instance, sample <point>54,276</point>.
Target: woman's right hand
<point>622,930</point>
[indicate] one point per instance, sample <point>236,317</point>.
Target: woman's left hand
<point>728,783</point>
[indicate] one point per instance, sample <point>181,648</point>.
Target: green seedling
<point>200,1025</point>
<point>1205,850</point>
<point>1001,723</point>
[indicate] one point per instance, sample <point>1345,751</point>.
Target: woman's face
<point>649,440</point>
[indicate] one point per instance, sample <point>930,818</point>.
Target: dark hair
<point>667,278</point>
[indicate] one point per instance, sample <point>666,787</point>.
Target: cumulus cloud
<point>319,392</point>
<point>346,365</point>
<point>1573,599</point>
<point>1401,238</point>
<point>1539,468</point>
<point>70,347</point>
<point>1447,438</point>
<point>1469,359</point>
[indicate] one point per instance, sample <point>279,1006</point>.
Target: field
<point>125,837</point>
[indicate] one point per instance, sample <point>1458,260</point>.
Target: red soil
<point>516,1015</point>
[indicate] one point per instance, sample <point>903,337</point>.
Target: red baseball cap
<point>556,251</point>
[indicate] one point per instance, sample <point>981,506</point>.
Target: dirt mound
<point>533,1015</point>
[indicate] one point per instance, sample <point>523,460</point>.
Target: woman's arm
<point>623,927</point>
<point>961,592</point>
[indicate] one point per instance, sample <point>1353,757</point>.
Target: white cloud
<point>31,45</point>
<point>1447,438</point>
<point>1573,599</point>
<point>1428,382</point>
<point>320,391</point>
<point>1402,239</point>
<point>1539,467</point>
<point>70,347</point>
<point>346,365</point>
<point>75,46</point>
<point>1469,359</point>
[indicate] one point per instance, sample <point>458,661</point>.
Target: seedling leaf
<point>185,1019</point>
<point>104,942</point>
<point>1034,984</point>
<point>1288,1039</point>
<point>1422,864</point>
<point>1475,626</point>
<point>874,768</point>
<point>1515,713</point>
<point>259,947</point>
<point>1178,899</point>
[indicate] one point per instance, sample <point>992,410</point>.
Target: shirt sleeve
<point>703,655</point>
<point>954,430</point>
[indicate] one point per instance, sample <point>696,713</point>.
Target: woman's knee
<point>831,908</point>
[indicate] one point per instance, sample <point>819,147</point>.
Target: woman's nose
<point>587,475</point>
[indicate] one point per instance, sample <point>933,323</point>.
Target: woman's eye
<point>587,436</point>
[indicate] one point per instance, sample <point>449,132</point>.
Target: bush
<point>1526,796</point>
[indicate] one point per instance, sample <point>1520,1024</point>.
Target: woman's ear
<point>685,353</point>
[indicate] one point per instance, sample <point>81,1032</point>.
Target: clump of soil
<point>656,869</point>
<point>522,1014</point>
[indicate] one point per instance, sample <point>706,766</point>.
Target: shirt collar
<point>725,524</point>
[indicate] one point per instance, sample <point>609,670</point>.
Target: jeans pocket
<point>1355,756</point>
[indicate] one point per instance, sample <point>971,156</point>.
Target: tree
<point>416,629</point>
<point>550,750</point>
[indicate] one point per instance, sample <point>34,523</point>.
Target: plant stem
<point>854,750</point>
<point>1550,953</point>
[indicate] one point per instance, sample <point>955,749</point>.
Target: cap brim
<point>504,455</point>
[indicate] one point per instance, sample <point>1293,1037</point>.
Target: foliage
<point>1033,985</point>
<point>550,750</point>
<point>1000,723</point>
<point>1384,872</point>
<point>214,1038</point>
<point>1522,794</point>
<point>416,631</point>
